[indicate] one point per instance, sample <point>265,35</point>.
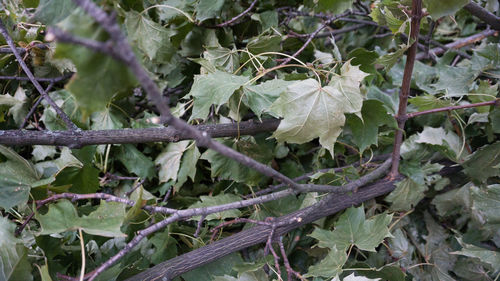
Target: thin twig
<point>455,107</point>
<point>39,79</point>
<point>69,124</point>
<point>35,105</point>
<point>233,20</point>
<point>312,35</point>
<point>405,87</point>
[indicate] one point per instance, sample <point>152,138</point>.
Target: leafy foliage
<point>221,63</point>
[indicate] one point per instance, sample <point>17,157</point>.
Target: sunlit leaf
<point>310,110</point>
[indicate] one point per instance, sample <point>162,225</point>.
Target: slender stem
<point>69,124</point>
<point>449,108</point>
<point>405,87</point>
<point>233,20</point>
<point>33,108</point>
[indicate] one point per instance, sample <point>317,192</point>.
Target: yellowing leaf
<point>310,110</point>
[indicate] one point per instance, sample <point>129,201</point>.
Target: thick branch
<point>168,134</point>
<point>334,203</point>
<point>483,14</point>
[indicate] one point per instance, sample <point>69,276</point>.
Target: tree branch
<point>483,14</point>
<point>405,87</point>
<point>168,134</point>
<point>332,204</point>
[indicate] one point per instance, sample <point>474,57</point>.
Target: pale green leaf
<point>209,201</point>
<point>207,9</point>
<point>226,59</point>
<point>352,277</point>
<point>188,166</point>
<point>454,201</point>
<point>485,205</point>
<point>310,110</point>
<point>50,12</point>
<point>14,264</point>
<point>62,216</point>
<point>330,266</point>
<point>40,152</point>
<point>406,195</point>
<point>213,89</point>
<point>449,141</point>
<point>17,177</point>
<point>489,257</point>
<point>484,163</point>
<point>353,228</point>
<point>259,98</point>
<point>170,160</point>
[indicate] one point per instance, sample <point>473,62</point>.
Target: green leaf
<point>136,162</point>
<point>40,152</point>
<point>263,44</point>
<point>489,257</point>
<point>483,92</point>
<point>225,59</point>
<point>14,264</point>
<point>17,177</point>
<point>390,59</point>
<point>18,105</point>
<point>406,195</point>
<point>353,228</point>
<point>259,98</point>
<point>330,266</point>
<point>443,8</point>
<point>448,141</point>
<point>226,168</point>
<point>83,179</point>
<point>99,77</point>
<point>62,216</point>
<point>310,110</point>
<point>334,6</point>
<point>454,201</point>
<point>365,131</point>
<point>170,160</point>
<point>44,273</point>
<point>207,9</point>
<point>50,12</point>
<point>209,89</point>
<point>209,201</point>
<point>485,205</point>
<point>188,166</point>
<point>150,37</point>
<point>484,163</point>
